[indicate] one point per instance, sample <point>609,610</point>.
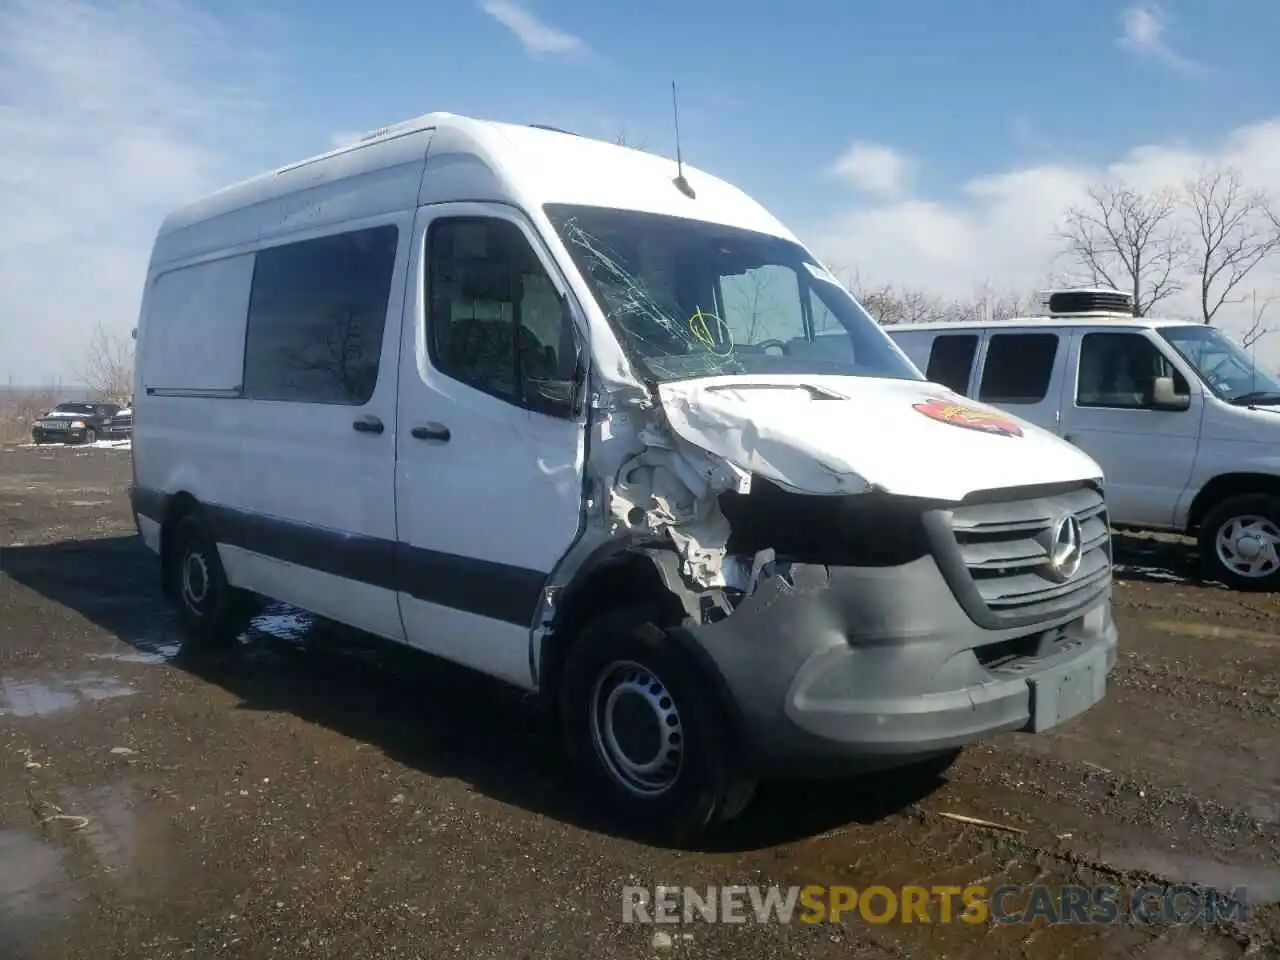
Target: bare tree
<point>1235,230</point>
<point>989,305</point>
<point>106,368</point>
<point>622,141</point>
<point>889,305</point>
<point>1129,240</point>
<point>1257,328</point>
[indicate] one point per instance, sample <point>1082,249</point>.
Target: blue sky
<point>929,144</point>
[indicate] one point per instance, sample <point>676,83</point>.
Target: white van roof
<point>470,159</point>
<point>1064,307</point>
<point>1042,321</point>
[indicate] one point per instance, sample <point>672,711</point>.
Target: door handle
<point>431,431</point>
<point>368,425</point>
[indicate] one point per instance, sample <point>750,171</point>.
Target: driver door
<point>488,475</point>
<point>1147,454</point>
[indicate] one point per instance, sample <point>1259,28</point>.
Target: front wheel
<point>648,739</point>
<point>1240,542</point>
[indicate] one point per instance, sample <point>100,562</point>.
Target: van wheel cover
<point>1249,546</point>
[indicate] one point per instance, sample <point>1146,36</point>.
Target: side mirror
<point>558,397</point>
<point>1164,397</point>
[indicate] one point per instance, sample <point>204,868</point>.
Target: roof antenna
<point>681,183</point>
<point>1253,351</point>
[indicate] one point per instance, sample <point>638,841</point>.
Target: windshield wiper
<point>1265,397</point>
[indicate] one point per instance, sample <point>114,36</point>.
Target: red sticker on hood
<point>958,415</point>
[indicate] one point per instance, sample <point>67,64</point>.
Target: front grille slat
<point>1003,543</point>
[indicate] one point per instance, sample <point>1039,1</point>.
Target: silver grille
<point>1005,549</point>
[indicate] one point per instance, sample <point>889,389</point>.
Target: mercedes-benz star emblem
<point>1065,548</point>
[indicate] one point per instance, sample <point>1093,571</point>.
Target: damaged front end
<point>845,628</point>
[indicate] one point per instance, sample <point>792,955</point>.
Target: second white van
<point>1184,423</point>
<point>599,426</point>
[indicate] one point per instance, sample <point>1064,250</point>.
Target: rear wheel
<point>1240,542</point>
<point>646,736</point>
<point>212,611</point>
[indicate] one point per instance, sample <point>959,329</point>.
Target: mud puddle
<point>37,894</point>
<point>1261,883</point>
<point>1213,631</point>
<point>58,693</point>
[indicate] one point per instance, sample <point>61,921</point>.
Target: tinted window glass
<point>496,321</point>
<point>1119,369</point>
<point>1018,367</point>
<point>317,310</point>
<point>951,360</point>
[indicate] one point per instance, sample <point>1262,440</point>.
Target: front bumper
<point>40,435</point>
<point>836,670</point>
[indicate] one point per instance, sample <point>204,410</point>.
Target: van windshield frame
<point>690,299</point>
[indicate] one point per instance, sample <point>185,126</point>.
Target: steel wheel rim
<point>636,729</point>
<point>195,582</point>
<point>1249,546</point>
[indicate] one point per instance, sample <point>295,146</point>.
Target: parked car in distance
<point>120,427</point>
<point>1184,424</point>
<point>509,400</point>
<point>77,422</point>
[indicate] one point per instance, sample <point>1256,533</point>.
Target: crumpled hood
<point>835,434</point>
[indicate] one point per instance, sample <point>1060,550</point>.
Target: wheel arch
<point>1226,485</point>
<point>645,577</point>
<point>176,506</point>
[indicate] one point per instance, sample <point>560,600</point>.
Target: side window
<point>951,360</point>
<point>763,304</point>
<point>495,320</point>
<point>317,310</point>
<point>1118,370</point>
<point>1018,367</point>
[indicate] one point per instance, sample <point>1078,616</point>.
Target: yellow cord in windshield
<point>700,328</point>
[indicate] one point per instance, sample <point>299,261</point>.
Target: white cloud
<point>872,167</point>
<point>1000,230</point>
<point>109,121</point>
<point>538,38</point>
<point>1144,26</point>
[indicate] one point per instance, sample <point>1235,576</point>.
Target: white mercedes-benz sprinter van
<point>558,411</point>
<point>1181,419</point>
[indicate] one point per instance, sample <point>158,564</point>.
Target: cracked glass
<point>692,299</point>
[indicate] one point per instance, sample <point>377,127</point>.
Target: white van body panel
<point>829,435</point>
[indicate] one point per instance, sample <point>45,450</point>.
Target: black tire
<point>704,783</point>
<point>213,613</point>
<point>1260,510</point>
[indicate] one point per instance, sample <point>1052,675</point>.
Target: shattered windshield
<point>1224,366</point>
<point>693,299</point>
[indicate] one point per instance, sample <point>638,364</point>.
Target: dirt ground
<point>312,794</point>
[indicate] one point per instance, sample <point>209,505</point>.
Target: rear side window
<point>317,310</point>
<point>1018,367</point>
<point>951,360</point>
